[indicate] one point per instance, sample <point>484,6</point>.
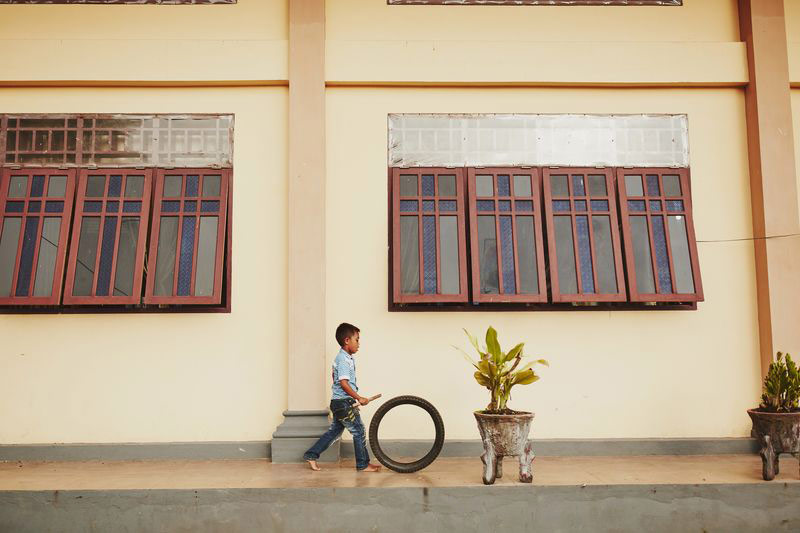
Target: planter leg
<point>526,464</point>
<point>768,459</point>
<point>498,467</point>
<point>489,464</point>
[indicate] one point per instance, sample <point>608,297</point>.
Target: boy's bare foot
<point>371,468</point>
<point>313,464</point>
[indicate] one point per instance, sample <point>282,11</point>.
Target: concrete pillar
<point>773,185</point>
<point>307,416</point>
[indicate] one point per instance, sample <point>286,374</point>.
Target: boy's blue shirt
<point>344,367</point>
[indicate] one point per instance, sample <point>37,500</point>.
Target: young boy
<point>343,403</point>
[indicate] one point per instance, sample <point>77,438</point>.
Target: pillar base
<point>298,432</point>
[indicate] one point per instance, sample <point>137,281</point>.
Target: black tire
<point>397,466</point>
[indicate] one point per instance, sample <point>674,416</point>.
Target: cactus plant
<point>781,391</point>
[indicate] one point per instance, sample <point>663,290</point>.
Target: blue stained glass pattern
<point>524,206</point>
<point>209,206</point>
<point>599,205</point>
<point>115,186</point>
<point>674,205</point>
<point>652,185</point>
<point>427,185</point>
<point>191,185</point>
<point>92,206</point>
<point>409,206</point>
<point>662,259</point>
<point>15,207</point>
<point>106,256</point>
<point>26,258</point>
<point>429,253</point>
<point>132,207</point>
<point>585,254</point>
<point>636,206</point>
<point>503,185</point>
<point>37,186</point>
<point>112,206</point>
<point>170,206</point>
<point>190,206</point>
<point>447,205</point>
<point>577,185</point>
<point>655,205</point>
<point>561,205</point>
<point>187,257</point>
<point>507,243</point>
<point>34,207</point>
<point>428,205</point>
<point>504,205</point>
<point>54,207</point>
<point>485,205</point>
<point>580,205</point>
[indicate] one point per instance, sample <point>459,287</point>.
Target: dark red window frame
<point>399,297</point>
<point>650,195</point>
<point>27,216</point>
<point>514,212</point>
<point>122,210</point>
<point>568,207</point>
<point>182,213</point>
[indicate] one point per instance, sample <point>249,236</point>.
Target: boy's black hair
<point>345,330</point>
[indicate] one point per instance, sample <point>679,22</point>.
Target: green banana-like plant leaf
<point>493,346</point>
<point>467,356</point>
<point>514,352</point>
<point>482,380</point>
<point>524,377</point>
<point>474,341</point>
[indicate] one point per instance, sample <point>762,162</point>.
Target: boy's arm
<point>353,394</point>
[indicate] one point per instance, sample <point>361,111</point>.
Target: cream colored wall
<point>165,377</point>
<point>796,122</point>
<point>613,374</point>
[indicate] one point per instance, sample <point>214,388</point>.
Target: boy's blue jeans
<point>344,416</point>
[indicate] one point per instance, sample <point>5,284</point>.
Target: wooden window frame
<point>398,297</point>
<point>223,237</point>
<point>501,297</point>
<point>65,215</point>
<point>611,198</point>
<point>144,221</point>
<point>686,197</point>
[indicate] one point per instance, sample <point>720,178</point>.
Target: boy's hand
<point>362,400</point>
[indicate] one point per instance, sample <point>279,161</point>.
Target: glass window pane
<point>46,263</point>
<point>9,241</point>
<point>57,187</point>
<point>409,255</point>
<point>172,187</point>
<point>192,184</point>
<point>679,245</point>
<point>447,185</point>
<point>503,185</point>
<point>641,253</point>
<point>662,259</point>
<point>448,245</point>
<point>597,185</point>
<point>126,255</point>
<point>187,254</point>
<point>428,205</point>
<point>559,185</point>
<point>633,185</point>
<point>87,254</point>
<point>429,253</point>
<point>134,186</point>
<point>408,185</point>
<point>522,185</point>
<point>106,256</point>
<point>526,252</point>
<point>211,186</point>
<point>585,253</point>
<point>578,188</point>
<point>18,187</point>
<point>37,186</point>
<point>95,186</point>
<point>507,255</point>
<point>565,255</point>
<point>115,186</point>
<point>604,255</point>
<point>165,262</point>
<point>672,184</point>
<point>206,257</point>
<point>652,185</point>
<point>484,185</point>
<point>427,185</point>
<point>487,250</point>
<point>26,256</point>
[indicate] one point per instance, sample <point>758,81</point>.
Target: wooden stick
<point>371,398</point>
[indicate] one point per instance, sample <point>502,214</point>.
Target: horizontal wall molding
<point>682,64</point>
<point>231,450</point>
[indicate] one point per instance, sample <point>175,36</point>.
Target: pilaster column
<point>773,185</point>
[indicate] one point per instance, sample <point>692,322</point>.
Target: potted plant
<point>776,422</point>
<point>504,432</point>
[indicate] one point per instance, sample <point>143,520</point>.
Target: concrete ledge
<point>399,448</point>
<point>757,507</point>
